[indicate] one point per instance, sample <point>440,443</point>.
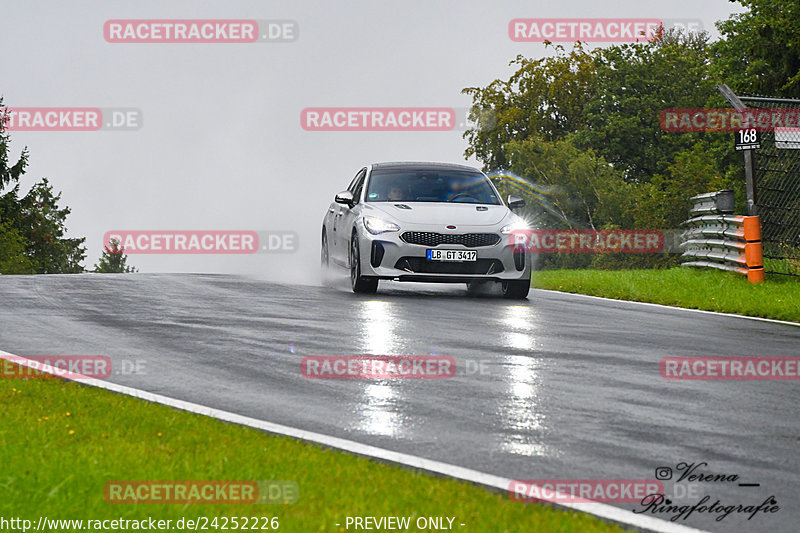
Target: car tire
<point>360,284</point>
<point>516,289</point>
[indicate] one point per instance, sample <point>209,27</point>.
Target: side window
<point>359,185</point>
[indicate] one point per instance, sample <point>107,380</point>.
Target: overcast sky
<point>221,145</point>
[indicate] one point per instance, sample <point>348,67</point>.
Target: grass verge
<point>778,297</point>
<point>62,442</point>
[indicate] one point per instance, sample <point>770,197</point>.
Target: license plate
<point>452,255</point>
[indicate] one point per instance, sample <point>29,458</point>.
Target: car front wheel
<point>359,283</point>
<point>516,289</point>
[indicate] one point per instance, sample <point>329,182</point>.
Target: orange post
<point>752,229</point>
<point>754,256</point>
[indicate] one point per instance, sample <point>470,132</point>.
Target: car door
<point>343,220</point>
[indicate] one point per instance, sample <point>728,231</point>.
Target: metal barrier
<point>714,238</point>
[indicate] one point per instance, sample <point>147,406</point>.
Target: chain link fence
<point>776,168</point>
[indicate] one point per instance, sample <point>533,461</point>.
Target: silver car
<point>429,222</point>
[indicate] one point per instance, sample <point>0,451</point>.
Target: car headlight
<point>377,226</point>
<point>518,225</point>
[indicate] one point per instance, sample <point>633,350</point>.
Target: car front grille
<point>470,240</point>
<point>420,265</point>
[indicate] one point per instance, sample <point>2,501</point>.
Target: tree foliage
<point>113,260</point>
<point>609,98</point>
<point>575,188</point>
<point>760,49</point>
<point>544,98</point>
<point>635,82</point>
<point>579,130</point>
<point>12,252</point>
<point>33,226</point>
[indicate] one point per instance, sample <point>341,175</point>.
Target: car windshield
<point>420,185</point>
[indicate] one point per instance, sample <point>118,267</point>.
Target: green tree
<point>43,224</point>
<point>580,132</point>
<point>9,173</point>
<point>568,187</point>
<point>581,129</point>
<point>544,98</point>
<point>636,82</point>
<point>113,260</point>
<point>609,98</point>
<point>665,201</point>
<point>760,49</point>
<point>33,227</point>
<point>12,245</point>
<point>12,252</point>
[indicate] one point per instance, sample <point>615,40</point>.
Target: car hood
<point>442,213</point>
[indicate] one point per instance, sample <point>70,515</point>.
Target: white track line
<point>772,320</point>
<point>600,510</point>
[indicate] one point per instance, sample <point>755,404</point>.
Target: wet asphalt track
<point>570,389</point>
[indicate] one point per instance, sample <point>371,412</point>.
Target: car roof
<point>422,165</point>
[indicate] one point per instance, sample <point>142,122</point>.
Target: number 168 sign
<point>747,139</point>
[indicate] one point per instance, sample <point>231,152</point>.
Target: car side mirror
<point>515,202</point>
<point>344,197</point>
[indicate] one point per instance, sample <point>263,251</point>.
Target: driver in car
<point>459,189</point>
<point>395,194</point>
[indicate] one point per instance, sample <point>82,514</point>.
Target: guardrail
<point>715,238</point>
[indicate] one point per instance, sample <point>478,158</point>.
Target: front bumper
<point>388,256</point>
